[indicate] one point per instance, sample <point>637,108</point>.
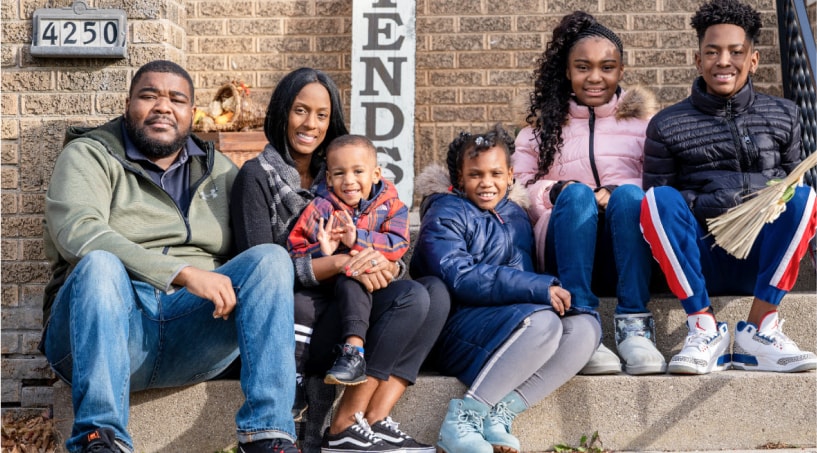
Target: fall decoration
<point>230,110</point>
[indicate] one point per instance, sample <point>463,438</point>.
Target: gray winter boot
<point>635,340</point>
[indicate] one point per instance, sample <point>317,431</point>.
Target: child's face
<point>485,178</point>
<point>725,59</point>
<point>350,172</point>
<point>594,69</point>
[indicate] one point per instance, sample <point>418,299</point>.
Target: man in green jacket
<point>142,294</point>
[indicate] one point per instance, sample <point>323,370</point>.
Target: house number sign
<point>79,31</point>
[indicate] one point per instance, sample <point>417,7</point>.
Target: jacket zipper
<point>736,139</point>
<point>592,125</point>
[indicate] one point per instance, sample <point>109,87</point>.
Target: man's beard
<point>151,148</point>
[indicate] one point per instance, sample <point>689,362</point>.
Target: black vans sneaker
<point>358,438</point>
<point>268,446</point>
<point>349,367</point>
<point>387,430</point>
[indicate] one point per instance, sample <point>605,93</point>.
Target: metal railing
<point>798,61</point>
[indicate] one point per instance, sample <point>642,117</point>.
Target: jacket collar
<point>719,106</point>
<point>582,111</point>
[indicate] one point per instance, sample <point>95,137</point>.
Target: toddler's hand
<point>345,229</point>
<point>329,242</point>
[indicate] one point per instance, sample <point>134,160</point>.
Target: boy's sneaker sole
<point>688,365</point>
<point>795,364</point>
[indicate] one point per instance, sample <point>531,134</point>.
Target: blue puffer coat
<point>484,258</point>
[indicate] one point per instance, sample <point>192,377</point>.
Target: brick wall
<point>474,57</point>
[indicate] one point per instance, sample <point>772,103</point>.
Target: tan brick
<point>8,55</point>
<point>687,7</point>
<point>37,396</point>
<point>219,8</point>
<point>31,295</point>
<point>40,143</point>
<point>226,45</point>
<point>643,40</point>
<point>26,81</point>
<point>25,368</point>
<point>646,77</point>
<point>510,77</point>
<point>27,7</point>
<point>94,81</point>
<point>16,32</point>
<point>512,7</point>
<point>767,74</point>
<point>29,342</point>
<point>669,95</point>
<point>9,176</point>
<point>21,318</point>
<point>614,21</point>
<point>334,44</point>
<point>447,113</point>
<point>57,104</point>
<point>537,23</point>
<point>150,31</point>
<point>207,63</point>
<point>568,6</point>
<point>483,60</point>
<point>11,387</point>
<point>325,26</point>
<point>206,27</point>
<point>10,104</point>
<point>677,40</point>
<point>9,295</point>
<point>9,11</point>
<point>658,58</point>
<point>454,7</point>
<point>679,76</point>
<point>325,62</point>
<point>10,129</point>
<point>9,344</point>
<point>9,249</point>
<point>290,8</point>
<point>26,272</point>
<point>436,60</point>
<point>628,6</point>
<point>456,78</point>
<point>425,25</point>
<point>660,22</point>
<point>480,24</point>
<point>22,226</point>
<point>283,45</point>
<point>528,60</point>
<point>216,79</point>
<point>334,8</point>
<point>8,203</point>
<point>32,249</point>
<point>139,54</point>
<point>9,153</point>
<point>524,41</point>
<point>255,27</point>
<point>32,203</point>
<point>111,103</point>
<point>486,95</point>
<point>458,42</point>
<point>263,62</point>
<point>504,115</point>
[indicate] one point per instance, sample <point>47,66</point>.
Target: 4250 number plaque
<point>79,31</point>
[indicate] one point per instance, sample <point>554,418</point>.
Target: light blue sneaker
<point>461,431</point>
<point>498,424</point>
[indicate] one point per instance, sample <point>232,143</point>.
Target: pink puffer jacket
<point>618,137</point>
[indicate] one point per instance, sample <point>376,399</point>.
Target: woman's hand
<point>375,280</point>
<point>366,261</point>
<point>559,299</point>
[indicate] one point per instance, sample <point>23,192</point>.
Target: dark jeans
<point>355,304</point>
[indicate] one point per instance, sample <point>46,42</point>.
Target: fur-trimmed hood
<point>637,102</point>
<point>435,179</point>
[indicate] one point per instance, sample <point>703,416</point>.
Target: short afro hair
<point>732,12</point>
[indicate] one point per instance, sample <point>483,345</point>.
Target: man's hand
<point>212,286</point>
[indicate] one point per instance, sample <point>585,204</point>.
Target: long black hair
<point>280,103</point>
<point>552,89</point>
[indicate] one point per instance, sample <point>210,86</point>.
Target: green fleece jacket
<point>98,200</point>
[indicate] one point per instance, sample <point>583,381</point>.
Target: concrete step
<point>726,410</point>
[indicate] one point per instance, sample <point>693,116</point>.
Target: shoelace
<point>469,422</point>
<point>362,427</point>
<point>700,339</point>
<point>502,414</point>
<point>392,426</point>
<point>776,336</point>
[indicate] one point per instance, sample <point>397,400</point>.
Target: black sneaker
<point>103,440</point>
<point>358,438</point>
<point>349,367</point>
<point>277,445</point>
<point>387,430</point>
<point>299,406</point>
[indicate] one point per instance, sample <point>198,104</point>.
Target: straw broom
<point>737,229</point>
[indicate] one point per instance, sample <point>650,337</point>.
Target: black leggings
<point>406,318</point>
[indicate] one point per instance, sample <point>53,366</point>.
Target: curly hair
<point>467,144</point>
<point>549,101</point>
<point>731,12</point>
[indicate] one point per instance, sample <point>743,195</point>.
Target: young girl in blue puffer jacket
<point>513,336</point>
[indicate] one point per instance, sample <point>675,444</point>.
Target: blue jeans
<point>579,238</point>
<point>109,335</point>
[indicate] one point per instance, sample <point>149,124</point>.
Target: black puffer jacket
<point>716,150</point>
